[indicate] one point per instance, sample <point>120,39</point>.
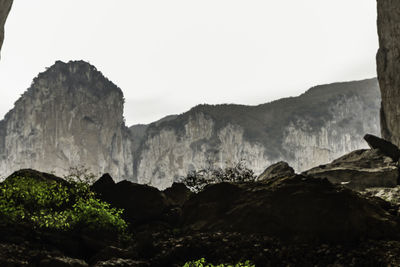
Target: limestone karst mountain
<point>322,124</point>
<point>73,115</point>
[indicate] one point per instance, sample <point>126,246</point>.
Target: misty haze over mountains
<point>73,115</point>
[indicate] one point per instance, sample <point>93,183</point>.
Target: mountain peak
<point>72,76</point>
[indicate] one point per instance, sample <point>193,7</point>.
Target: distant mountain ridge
<point>314,128</point>
<point>73,115</point>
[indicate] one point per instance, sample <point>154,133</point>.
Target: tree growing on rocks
<point>197,180</point>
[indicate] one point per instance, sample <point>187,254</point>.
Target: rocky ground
<point>281,219</point>
<point>169,249</point>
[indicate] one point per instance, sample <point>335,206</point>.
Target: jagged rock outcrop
<point>315,128</point>
<point>277,170</point>
<point>70,116</point>
<point>388,68</point>
<point>360,169</point>
<point>386,147</point>
<point>5,7</point>
<point>141,203</point>
<point>390,194</point>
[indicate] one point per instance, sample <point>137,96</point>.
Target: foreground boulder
<point>177,194</point>
<point>141,203</point>
<point>390,194</point>
<point>386,147</point>
<point>359,169</point>
<point>277,170</point>
<point>296,208</point>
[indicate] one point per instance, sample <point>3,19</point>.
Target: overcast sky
<point>169,55</point>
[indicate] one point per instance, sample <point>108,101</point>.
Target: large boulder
<point>391,195</point>
<point>5,7</point>
<point>141,203</point>
<point>296,208</point>
<point>386,147</point>
<point>177,194</point>
<point>359,169</point>
<point>36,175</point>
<point>277,170</point>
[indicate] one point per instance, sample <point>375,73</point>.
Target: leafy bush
<point>59,205</point>
<point>197,180</point>
<point>203,263</point>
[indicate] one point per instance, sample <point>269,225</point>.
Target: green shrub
<point>66,206</point>
<point>197,180</point>
<point>203,263</point>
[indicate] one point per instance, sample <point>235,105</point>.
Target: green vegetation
<point>203,263</point>
<point>56,204</point>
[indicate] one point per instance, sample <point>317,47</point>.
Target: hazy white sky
<point>169,55</point>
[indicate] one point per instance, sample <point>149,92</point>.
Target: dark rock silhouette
<point>178,194</point>
<point>294,208</point>
<point>278,220</point>
<point>141,203</point>
<point>386,147</point>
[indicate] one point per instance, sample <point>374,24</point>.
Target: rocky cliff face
<point>5,6</point>
<point>71,115</point>
<point>324,123</point>
<point>388,67</point>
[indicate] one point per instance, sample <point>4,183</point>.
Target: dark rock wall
<point>388,68</point>
<point>5,6</point>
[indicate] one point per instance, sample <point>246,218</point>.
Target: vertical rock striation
<point>71,115</point>
<point>324,123</point>
<point>388,68</point>
<point>5,7</point>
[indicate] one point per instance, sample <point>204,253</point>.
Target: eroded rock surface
<point>388,67</point>
<point>315,128</point>
<point>360,169</point>
<point>71,115</point>
<point>277,170</point>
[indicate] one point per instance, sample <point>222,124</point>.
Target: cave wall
<point>388,68</point>
<point>5,7</point>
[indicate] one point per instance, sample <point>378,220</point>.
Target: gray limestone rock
<point>359,170</point>
<point>277,170</point>
<point>70,116</point>
<point>315,128</point>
